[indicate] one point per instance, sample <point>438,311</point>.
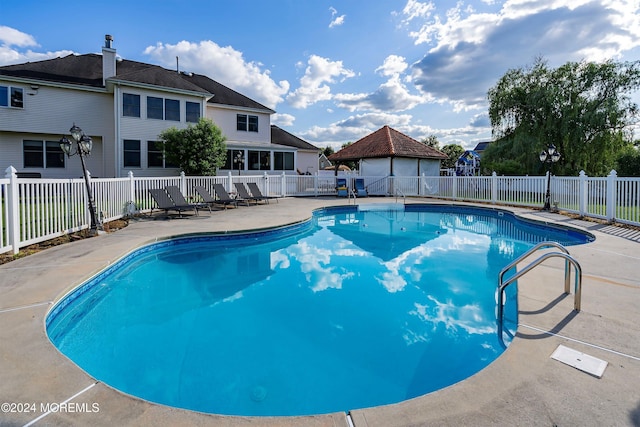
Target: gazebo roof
<point>386,142</point>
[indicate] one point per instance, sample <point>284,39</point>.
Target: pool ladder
<point>564,253</point>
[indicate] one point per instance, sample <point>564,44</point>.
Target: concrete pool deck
<point>524,386</point>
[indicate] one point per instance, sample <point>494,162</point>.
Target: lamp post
<point>238,160</point>
<point>84,144</point>
<point>549,156</point>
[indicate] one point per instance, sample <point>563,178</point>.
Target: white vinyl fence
<point>33,210</point>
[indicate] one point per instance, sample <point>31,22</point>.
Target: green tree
<point>198,150</point>
<point>583,108</point>
<point>628,163</point>
<point>328,150</point>
<point>432,141</point>
<point>453,151</point>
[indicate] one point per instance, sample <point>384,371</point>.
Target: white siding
<point>12,155</point>
<point>145,130</point>
<point>226,120</point>
<point>48,114</point>
<point>307,161</point>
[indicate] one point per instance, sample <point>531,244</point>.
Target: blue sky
<point>337,70</point>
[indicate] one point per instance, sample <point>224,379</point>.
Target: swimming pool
<point>351,309</point>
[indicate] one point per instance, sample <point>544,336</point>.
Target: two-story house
<point>123,106</point>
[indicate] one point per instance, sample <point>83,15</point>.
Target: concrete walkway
<point>523,387</point>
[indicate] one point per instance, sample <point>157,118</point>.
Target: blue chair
<point>361,191</point>
<point>341,186</point>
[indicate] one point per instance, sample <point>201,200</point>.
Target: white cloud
<point>225,65</point>
<point>282,119</point>
<point>313,85</point>
<point>417,10</point>
<point>353,128</point>
<point>12,37</point>
<point>336,20</point>
<point>390,96</point>
<point>11,43</point>
<point>470,51</point>
<point>393,65</point>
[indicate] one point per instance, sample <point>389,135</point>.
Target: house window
<point>193,112</point>
<point>11,97</point>
<point>155,108</point>
<point>155,154</point>
<point>247,123</point>
<point>42,154</point>
<point>131,153</point>
<point>253,123</point>
<point>156,157</point>
<point>172,110</point>
<point>130,105</point>
<point>33,154</point>
<point>235,160</point>
<point>54,156</point>
<point>283,161</point>
<point>259,160</point>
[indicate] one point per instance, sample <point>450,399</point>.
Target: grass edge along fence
<point>33,210</point>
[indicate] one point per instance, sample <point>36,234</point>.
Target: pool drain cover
<point>584,362</point>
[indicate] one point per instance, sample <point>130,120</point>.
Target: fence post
<point>454,187</point>
<point>229,181</point>
<point>13,227</point>
<point>265,184</point>
<point>183,182</point>
<point>582,193</point>
<point>283,184</point>
<point>494,188</point>
<point>612,179</point>
<point>315,184</point>
<point>132,207</point>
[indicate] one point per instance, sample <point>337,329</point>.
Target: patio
<point>523,387</point>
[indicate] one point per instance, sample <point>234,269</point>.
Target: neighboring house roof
<point>86,70</point>
<point>387,142</point>
<point>282,137</point>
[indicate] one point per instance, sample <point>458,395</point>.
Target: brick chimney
<point>108,59</point>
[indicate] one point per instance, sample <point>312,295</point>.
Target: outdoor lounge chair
<point>341,186</point>
<point>210,199</point>
<point>179,199</point>
<point>361,191</point>
<point>242,191</point>
<point>164,202</point>
<point>225,198</point>
<point>255,190</point>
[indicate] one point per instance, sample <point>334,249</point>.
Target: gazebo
<point>387,152</point>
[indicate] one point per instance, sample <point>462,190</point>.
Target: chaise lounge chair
<point>225,198</point>
<point>361,191</point>
<point>164,202</point>
<point>255,190</point>
<point>341,186</point>
<point>244,194</point>
<point>178,198</point>
<point>209,199</point>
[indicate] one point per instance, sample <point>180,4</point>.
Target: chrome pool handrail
<point>569,260</point>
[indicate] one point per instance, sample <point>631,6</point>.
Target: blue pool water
<point>351,309</point>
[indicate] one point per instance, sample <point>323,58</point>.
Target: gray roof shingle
<point>86,70</point>
<point>282,137</point>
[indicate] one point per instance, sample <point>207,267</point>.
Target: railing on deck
<point>33,210</point>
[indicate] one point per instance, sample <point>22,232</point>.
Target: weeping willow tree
<point>583,108</point>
